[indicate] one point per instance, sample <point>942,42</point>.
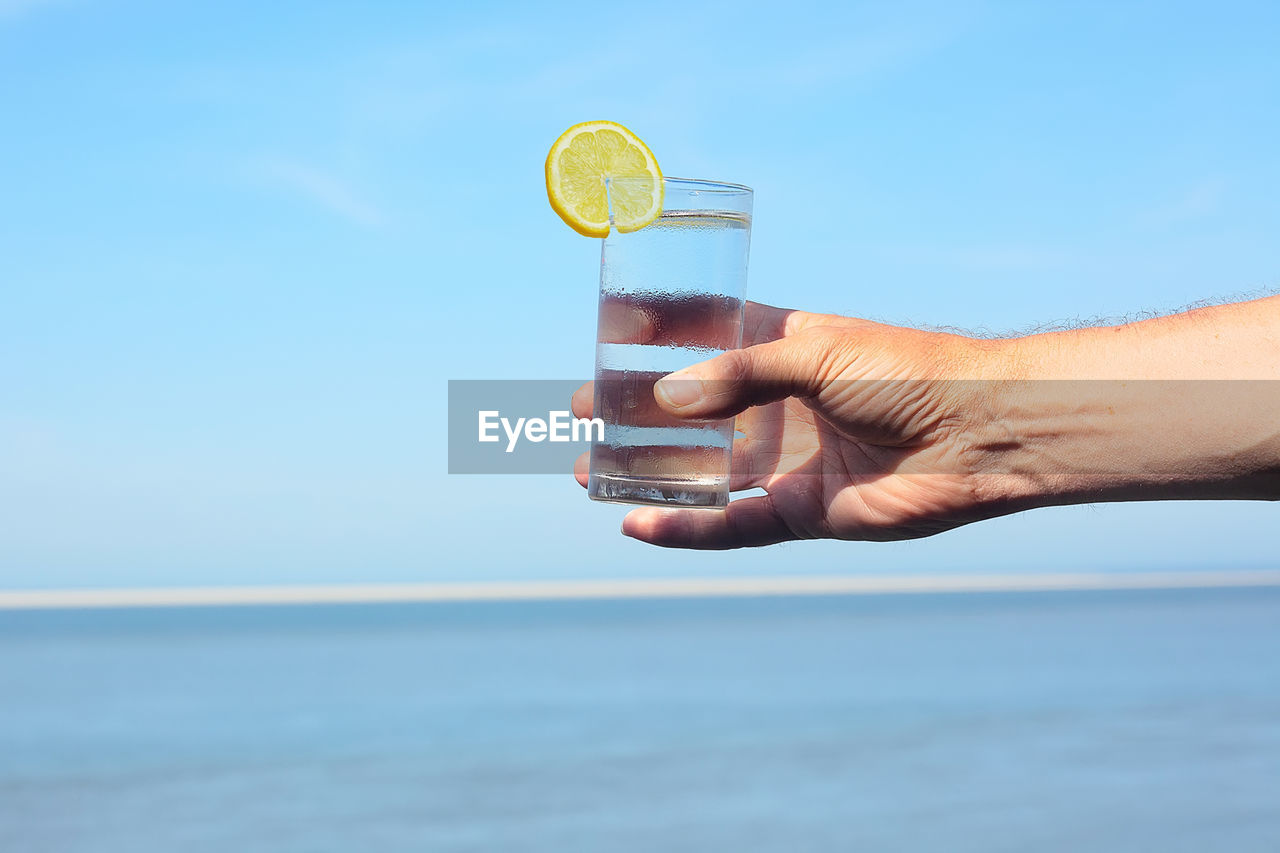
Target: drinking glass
<point>671,295</point>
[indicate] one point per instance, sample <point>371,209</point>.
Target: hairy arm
<point>859,430</point>
<point>1178,407</point>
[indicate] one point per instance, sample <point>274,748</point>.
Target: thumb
<point>727,384</point>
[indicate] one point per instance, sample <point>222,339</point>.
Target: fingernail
<point>680,389</point>
<point>630,525</point>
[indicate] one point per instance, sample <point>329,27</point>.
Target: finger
<point>624,320</point>
<point>750,467</point>
<point>703,320</point>
<point>582,468</point>
<point>729,383</point>
<point>583,401</point>
<point>744,523</point>
<point>763,323</point>
<point>626,397</point>
<point>777,438</point>
<point>743,477</point>
<point>656,462</point>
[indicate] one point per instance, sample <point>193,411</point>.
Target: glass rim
<point>701,184</point>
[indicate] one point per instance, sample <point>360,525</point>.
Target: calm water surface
<point>976,722</point>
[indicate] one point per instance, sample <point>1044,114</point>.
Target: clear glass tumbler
<point>671,295</point>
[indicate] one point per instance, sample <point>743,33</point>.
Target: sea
<point>1019,721</point>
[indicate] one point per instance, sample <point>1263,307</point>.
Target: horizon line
<point>622,588</point>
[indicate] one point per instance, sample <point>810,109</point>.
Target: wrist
<point>1004,432</point>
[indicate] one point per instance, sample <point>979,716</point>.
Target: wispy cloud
<point>323,189</point>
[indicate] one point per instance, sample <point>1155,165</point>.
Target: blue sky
<point>244,245</point>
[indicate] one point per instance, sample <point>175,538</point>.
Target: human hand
<point>854,430</point>
<point>859,430</point>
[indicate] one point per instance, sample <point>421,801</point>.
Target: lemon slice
<point>581,167</point>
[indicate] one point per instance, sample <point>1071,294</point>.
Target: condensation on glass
<point>671,295</point>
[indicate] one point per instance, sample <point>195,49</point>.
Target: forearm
<point>1236,341</point>
<point>1186,406</point>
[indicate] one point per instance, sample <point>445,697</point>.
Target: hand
<point>855,430</point>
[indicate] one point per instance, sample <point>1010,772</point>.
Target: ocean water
<point>1126,721</point>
